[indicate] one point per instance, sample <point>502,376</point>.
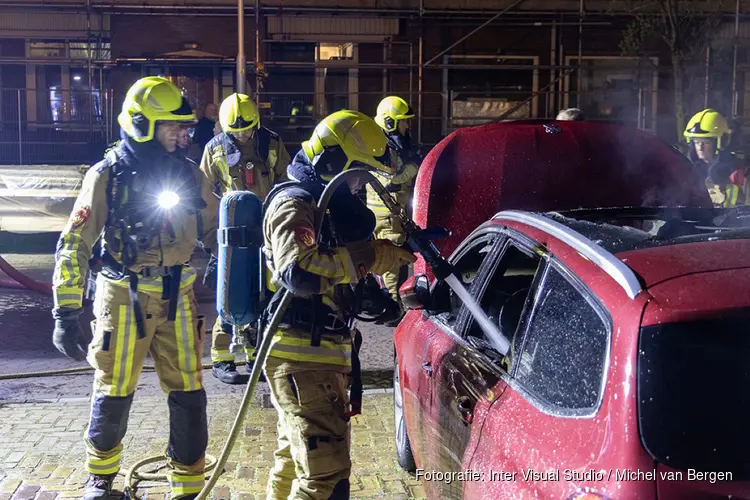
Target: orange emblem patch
<point>80,216</point>
<point>305,235</point>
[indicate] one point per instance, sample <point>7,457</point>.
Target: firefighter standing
<point>311,353</point>
<point>393,115</point>
<point>144,202</point>
<point>708,135</point>
<point>247,157</point>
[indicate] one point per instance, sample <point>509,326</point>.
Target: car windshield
<point>694,394</point>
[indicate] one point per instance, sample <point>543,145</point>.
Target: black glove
<point>210,277</point>
<point>393,188</point>
<point>68,335</point>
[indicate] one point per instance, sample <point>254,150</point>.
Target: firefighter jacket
<point>314,271</point>
<point>225,165</point>
<point>724,179</point>
<point>117,208</point>
<point>401,184</point>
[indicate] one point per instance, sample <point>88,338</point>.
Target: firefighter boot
<point>226,371</point>
<point>98,487</point>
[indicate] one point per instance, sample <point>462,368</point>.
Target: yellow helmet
<point>150,100</point>
<point>708,124</point>
<point>347,139</point>
<point>238,112</point>
<point>390,111</point>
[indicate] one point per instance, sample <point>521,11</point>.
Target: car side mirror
<point>415,292</point>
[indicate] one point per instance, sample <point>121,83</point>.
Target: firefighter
<point>393,115</point>
<point>246,156</point>
<point>708,134</point>
<point>312,351</point>
<point>139,214</point>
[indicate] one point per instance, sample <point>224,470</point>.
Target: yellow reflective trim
<point>221,355</point>
<point>155,284</point>
<point>103,470</point>
<point>114,459</point>
<point>186,484</point>
<point>273,157</point>
<point>328,360</point>
<point>64,273</point>
<point>124,351</point>
<point>733,192</point>
<point>185,346</point>
<point>299,349</point>
<point>304,342</point>
<point>66,296</point>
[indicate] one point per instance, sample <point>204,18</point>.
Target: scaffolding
<point>537,89</point>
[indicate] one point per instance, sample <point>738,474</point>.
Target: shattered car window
<point>564,350</point>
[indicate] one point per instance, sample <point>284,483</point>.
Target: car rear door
<point>548,419</point>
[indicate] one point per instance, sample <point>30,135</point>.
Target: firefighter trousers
<point>312,460</point>
<point>221,338</point>
<point>388,227</point>
<point>118,351</point>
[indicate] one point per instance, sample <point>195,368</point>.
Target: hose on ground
<point>77,371</point>
<point>31,284</point>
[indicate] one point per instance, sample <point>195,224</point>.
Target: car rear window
<point>694,394</point>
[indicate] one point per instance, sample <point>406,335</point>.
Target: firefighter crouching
<point>140,213</point>
<point>393,115</point>
<point>311,353</point>
<point>248,157</point>
<point>708,135</point>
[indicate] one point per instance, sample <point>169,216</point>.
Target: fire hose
<point>20,280</point>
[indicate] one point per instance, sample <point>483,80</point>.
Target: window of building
<point>70,49</point>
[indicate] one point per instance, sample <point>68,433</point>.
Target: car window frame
<point>553,263</point>
<point>490,232</point>
<point>523,244</point>
<point>505,237</point>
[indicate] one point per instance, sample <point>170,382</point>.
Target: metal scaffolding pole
<point>241,46</point>
<point>420,72</point>
<point>258,64</point>
<point>470,33</point>
<point>735,94</point>
<point>580,53</point>
<point>707,82</point>
<point>90,68</point>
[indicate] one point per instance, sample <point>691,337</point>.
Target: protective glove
<point>210,277</point>
<point>379,256</point>
<point>68,335</point>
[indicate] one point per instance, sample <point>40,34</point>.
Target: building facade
<point>65,65</point>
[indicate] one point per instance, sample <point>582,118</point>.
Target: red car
<point>628,366</point>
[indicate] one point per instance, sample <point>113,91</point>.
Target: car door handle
<point>427,367</point>
<point>465,409</point>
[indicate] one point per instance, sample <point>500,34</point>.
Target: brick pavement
<point>42,454</point>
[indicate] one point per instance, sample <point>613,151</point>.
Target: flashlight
<point>168,199</point>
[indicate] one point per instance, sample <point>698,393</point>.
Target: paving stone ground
<point>42,452</point>
<point>42,419</point>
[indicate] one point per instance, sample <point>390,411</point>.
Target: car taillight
<point>587,495</point>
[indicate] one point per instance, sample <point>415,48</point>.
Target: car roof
<point>638,259</point>
<point>547,165</point>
